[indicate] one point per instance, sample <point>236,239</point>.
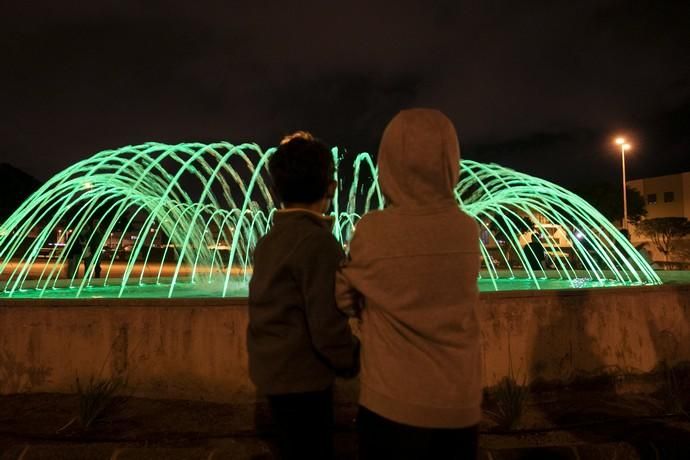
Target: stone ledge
<point>241,302</point>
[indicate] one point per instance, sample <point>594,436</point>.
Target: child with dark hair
<point>298,341</point>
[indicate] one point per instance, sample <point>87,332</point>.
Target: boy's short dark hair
<point>301,169</point>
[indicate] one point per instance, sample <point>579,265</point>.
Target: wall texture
<point>195,348</point>
<point>560,335</point>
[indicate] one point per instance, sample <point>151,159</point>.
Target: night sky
<point>540,86</point>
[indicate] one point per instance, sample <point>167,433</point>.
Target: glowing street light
<point>624,146</point>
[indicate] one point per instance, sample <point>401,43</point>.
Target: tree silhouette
<point>606,198</point>
<point>663,231</point>
<point>15,187</point>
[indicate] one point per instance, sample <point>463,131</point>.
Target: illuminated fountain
<point>182,220</point>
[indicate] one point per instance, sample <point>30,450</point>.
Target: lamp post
<point>624,146</point>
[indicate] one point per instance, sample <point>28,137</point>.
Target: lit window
<point>651,199</point>
<point>668,197</point>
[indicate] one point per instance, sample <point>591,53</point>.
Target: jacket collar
<point>292,213</point>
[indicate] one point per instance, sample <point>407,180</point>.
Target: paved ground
<point>233,449</point>
<point>606,422</point>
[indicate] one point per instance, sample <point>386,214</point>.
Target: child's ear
<point>330,191</point>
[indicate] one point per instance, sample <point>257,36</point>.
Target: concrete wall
<point>195,348</point>
<point>560,335</point>
<point>192,349</point>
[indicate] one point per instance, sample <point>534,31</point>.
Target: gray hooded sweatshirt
<point>413,272</point>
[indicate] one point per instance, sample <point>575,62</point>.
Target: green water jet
<point>184,218</point>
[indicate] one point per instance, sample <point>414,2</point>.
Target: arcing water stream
<point>182,220</point>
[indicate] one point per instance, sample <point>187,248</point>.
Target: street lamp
<point>624,146</point>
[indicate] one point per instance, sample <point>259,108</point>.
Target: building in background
<point>665,196</point>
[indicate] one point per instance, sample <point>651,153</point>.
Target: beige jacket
<point>413,270</point>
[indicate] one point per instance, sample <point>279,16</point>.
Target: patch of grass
<point>671,391</point>
<point>510,398</point>
<point>96,397</point>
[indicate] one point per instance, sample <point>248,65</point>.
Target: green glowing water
<point>187,290</point>
<point>141,201</point>
<point>143,291</point>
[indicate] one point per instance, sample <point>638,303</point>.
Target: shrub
<point>96,397</point>
<point>510,398</point>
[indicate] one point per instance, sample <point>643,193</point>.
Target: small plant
<point>671,390</point>
<point>510,398</point>
<point>96,397</point>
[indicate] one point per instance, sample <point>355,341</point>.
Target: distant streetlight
<point>624,146</point>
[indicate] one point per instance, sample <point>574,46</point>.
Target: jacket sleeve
<point>348,298</point>
<point>329,328</point>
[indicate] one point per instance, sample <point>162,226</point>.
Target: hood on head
<point>419,159</point>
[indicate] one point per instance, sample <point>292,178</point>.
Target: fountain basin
<point>195,348</point>
<point>239,289</point>
<point>198,210</point>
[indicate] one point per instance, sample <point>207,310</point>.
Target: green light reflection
<point>162,242</point>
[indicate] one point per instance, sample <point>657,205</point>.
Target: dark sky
<point>540,86</point>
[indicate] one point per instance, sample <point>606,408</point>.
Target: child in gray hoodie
<point>297,339</point>
<point>412,275</point>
